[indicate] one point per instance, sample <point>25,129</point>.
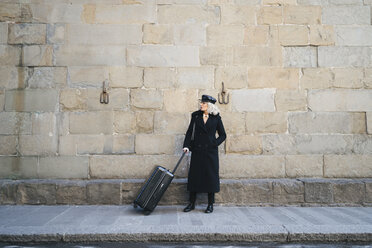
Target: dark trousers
<point>210,197</point>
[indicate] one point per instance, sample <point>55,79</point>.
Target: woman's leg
<point>210,203</point>
<point>191,205</point>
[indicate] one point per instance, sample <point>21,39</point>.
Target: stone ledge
<point>251,192</point>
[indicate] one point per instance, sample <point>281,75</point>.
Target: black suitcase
<point>154,188</point>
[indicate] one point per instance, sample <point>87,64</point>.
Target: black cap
<point>206,98</point>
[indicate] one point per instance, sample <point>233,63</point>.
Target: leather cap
<point>206,98</point>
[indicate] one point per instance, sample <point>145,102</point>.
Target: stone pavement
<point>101,223</point>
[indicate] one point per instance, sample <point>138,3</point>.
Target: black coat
<point>204,168</point>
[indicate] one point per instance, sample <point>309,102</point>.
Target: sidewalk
<point>170,224</point>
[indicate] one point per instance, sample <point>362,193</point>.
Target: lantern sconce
<point>104,97</point>
<point>224,96</point>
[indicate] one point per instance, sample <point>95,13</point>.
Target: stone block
<point>349,192</point>
<point>258,122</point>
<point>144,121</point>
<point>15,123</point>
<point>181,100</point>
<point>225,35</point>
<point>18,167</point>
<point>238,14</point>
<point>257,56</point>
<point>27,33</point>
<point>304,166</point>
<point>2,100</point>
<point>36,192</point>
<point>317,78</point>
<point>8,192</point>
<point>256,100</point>
<point>347,166</point>
<point>369,122</point>
<point>346,15</point>
<point>302,14</point>
<point>56,33</point>
<point>288,192</point>
<point>64,167</point>
<point>125,14</point>
<point>126,77</point>
<point>250,166</point>
<point>234,77</point>
<point>279,78</point>
<point>8,145</point>
<point>219,56</point>
<point>318,191</point>
<point>234,123</point>
<point>170,123</point>
<point>44,145</point>
<point>101,192</point>
<point>293,35</point>
<point>47,77</point>
<point>300,57</point>
<point>130,190</point>
<point>146,99</point>
<point>290,100</point>
<point>159,77</point>
<point>163,56</point>
<point>348,77</point>
<point>368,184</point>
<point>124,122</point>
<point>81,55</point>
<point>98,34</point>
<point>190,34</point>
<point>157,34</point>
<point>71,193</point>
<point>44,123</point>
<point>353,36</point>
<point>344,56</point>
<point>122,144</point>
<point>73,99</point>
<point>83,76</point>
<point>195,78</point>
<point>56,13</point>
<point>322,35</point>
<point>184,14</point>
<point>367,80</point>
<point>175,194</point>
<point>244,144</point>
<point>323,122</point>
<point>270,15</point>
<point>340,100</point>
<point>91,123</point>
<point>44,100</point>
<point>9,12</point>
<point>154,144</point>
<point>10,55</point>
<point>256,35</point>
<point>37,55</point>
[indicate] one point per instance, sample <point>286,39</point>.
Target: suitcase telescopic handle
<point>178,163</point>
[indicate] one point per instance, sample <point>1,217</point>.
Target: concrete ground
<point>170,224</point>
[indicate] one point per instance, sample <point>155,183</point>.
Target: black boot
<point>189,207</point>
<point>209,209</point>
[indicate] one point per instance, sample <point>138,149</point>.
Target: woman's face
<point>203,106</point>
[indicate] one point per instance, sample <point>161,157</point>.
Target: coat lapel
<point>200,122</point>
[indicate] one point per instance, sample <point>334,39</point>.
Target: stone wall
<point>298,74</point>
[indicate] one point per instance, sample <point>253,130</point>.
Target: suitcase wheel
<point>146,212</point>
<point>135,205</point>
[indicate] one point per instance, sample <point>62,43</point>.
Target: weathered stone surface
<point>279,2</point>
<point>367,78</point>
<point>84,76</point>
<point>154,144</point>
<point>159,77</point>
<point>190,34</point>
<point>3,33</point>
<point>317,78</point>
<point>313,122</point>
<point>144,121</point>
<point>234,123</point>
<point>36,192</point>
<point>318,191</point>
<point>304,166</point>
<point>344,56</point>
<point>270,15</point>
<point>248,166</point>
<point>146,99</point>
<point>56,13</point>
<point>349,15</point>
<point>35,55</point>
<point>279,78</point>
<point>13,77</point>
<point>293,35</point>
<point>343,166</point>
<point>199,78</point>
<point>348,191</point>
<point>322,35</point>
<point>15,123</point>
<point>81,55</point>
<point>37,145</point>
<point>122,144</point>
<point>170,123</point>
<point>124,122</point>
<point>91,123</point>
<point>63,167</point>
<point>9,12</point>
<point>56,33</point>
<point>266,122</point>
<point>130,190</point>
<point>353,36</point>
<point>288,192</point>
<point>234,77</point>
<point>47,77</point>
<point>302,14</point>
<point>157,34</point>
<point>369,122</point>
<point>17,167</point>
<point>10,55</point>
<point>233,14</point>
<point>162,56</point>
<point>291,100</point>
<point>26,33</point>
<point>31,100</point>
<point>101,192</point>
<point>8,192</point>
<point>348,77</point>
<point>368,184</point>
<point>244,144</point>
<point>256,100</point>
<point>176,194</point>
<point>224,35</point>
<point>8,145</point>
<point>256,35</point>
<point>300,57</point>
<point>181,100</point>
<point>74,193</point>
<point>2,100</point>
<point>257,56</point>
<point>43,123</point>
<point>340,100</point>
<point>216,55</point>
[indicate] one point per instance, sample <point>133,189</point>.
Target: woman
<point>201,140</point>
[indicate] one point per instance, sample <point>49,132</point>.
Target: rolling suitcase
<point>154,188</point>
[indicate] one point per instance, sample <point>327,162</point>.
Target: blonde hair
<point>213,109</point>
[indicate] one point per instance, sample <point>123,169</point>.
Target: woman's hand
<point>185,149</point>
